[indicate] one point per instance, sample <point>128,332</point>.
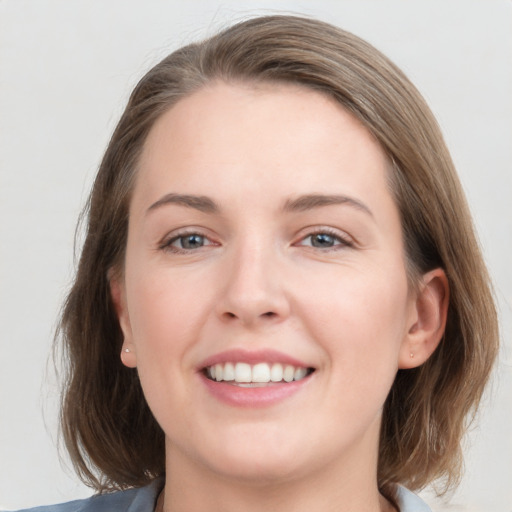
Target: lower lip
<point>255,396</point>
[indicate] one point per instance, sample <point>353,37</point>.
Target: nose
<point>253,291</point>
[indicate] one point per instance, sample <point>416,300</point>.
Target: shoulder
<point>132,500</point>
<point>409,502</point>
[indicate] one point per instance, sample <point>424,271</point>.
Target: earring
<point>412,355</point>
<point>128,356</point>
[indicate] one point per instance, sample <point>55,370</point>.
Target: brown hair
<point>112,437</point>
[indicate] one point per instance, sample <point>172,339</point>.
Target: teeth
<point>229,371</point>
<point>261,373</point>
<point>300,373</point>
<point>276,373</point>
<point>288,373</point>
<point>219,372</point>
<point>243,373</point>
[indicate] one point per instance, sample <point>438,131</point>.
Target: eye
<point>186,242</point>
<point>192,241</point>
<point>325,240</point>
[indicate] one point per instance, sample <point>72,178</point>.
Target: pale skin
<point>297,248</point>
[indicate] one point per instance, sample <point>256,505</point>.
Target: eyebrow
<point>201,203</point>
<point>311,201</point>
<point>302,203</point>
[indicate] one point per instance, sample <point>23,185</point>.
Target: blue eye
<point>325,240</point>
<point>192,241</point>
<point>322,240</point>
<point>185,243</point>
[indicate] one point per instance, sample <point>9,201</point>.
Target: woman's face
<point>264,245</point>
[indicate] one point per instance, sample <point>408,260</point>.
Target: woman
<point>280,303</point>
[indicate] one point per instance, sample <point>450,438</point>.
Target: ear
<point>118,294</point>
<point>428,320</point>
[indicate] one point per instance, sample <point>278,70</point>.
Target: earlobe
<point>427,328</point>
<point>117,292</point>
<point>128,357</point>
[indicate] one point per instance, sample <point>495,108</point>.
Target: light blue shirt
<point>144,500</point>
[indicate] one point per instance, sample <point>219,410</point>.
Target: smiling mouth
<point>257,375</point>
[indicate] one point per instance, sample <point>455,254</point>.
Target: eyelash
<point>339,240</point>
<point>166,245</point>
<point>343,240</point>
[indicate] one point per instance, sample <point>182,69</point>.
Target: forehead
<point>290,137</point>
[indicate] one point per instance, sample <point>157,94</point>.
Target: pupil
<point>192,241</point>
<point>322,240</point>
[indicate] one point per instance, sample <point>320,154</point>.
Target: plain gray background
<point>66,68</point>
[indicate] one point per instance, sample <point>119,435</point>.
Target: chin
<point>261,471</point>
<point>252,454</point>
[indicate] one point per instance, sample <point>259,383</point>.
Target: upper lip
<point>252,357</point>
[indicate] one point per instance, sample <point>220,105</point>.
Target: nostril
<point>229,315</point>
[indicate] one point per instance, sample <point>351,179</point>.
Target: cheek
<point>360,318</point>
<point>165,311</point>
<point>165,318</point>
<point>359,322</point>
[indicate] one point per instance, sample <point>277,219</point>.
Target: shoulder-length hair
<point>113,438</point>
